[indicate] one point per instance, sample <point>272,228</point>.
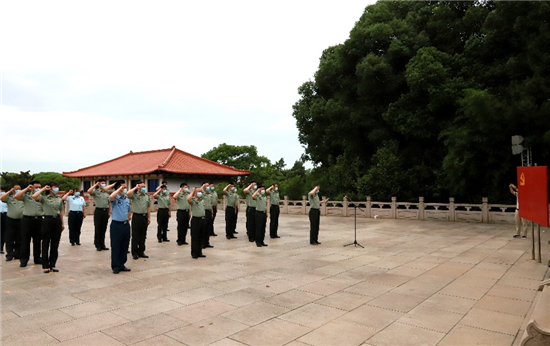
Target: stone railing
<point>452,212</point>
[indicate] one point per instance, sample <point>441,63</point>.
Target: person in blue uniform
<point>77,214</point>
<point>120,227</point>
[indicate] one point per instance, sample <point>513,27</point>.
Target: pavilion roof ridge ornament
<point>168,157</point>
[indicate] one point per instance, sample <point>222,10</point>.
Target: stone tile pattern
<point>413,283</point>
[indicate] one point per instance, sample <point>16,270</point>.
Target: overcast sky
<point>87,81</point>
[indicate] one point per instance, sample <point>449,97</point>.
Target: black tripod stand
<point>355,243</point>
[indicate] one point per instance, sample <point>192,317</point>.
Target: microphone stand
<point>355,243</point>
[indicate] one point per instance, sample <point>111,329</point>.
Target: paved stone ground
<point>414,283</point>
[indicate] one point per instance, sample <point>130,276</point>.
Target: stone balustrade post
<point>304,203</point>
<point>394,207</point>
<point>324,207</point>
<point>421,208</point>
<point>345,207</point>
<point>284,209</point>
<point>452,209</point>
<point>369,205</point>
<point>485,210</point>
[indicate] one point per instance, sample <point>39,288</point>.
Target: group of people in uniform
<point>36,213</point>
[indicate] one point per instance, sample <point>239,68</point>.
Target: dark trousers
<point>13,238</point>
<point>260,223</point>
<point>3,219</point>
<point>230,217</point>
<point>31,227</point>
<point>120,240</point>
<point>208,228</point>
<point>274,212</point>
<point>162,221</point>
<point>183,222</point>
<point>250,222</point>
<point>197,229</point>
<point>214,212</point>
<point>101,219</point>
<point>75,225</point>
<point>51,235</point>
<point>139,233</point>
<point>314,216</point>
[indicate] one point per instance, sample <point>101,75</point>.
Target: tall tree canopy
<point>424,96</point>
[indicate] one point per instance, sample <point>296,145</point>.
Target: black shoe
<point>251,240</point>
<point>9,258</point>
<point>314,243</point>
<point>235,232</point>
<point>135,257</point>
<point>523,237</point>
<point>195,257</point>
<point>125,269</point>
<point>78,244</point>
<point>275,237</point>
<point>72,244</point>
<point>104,248</point>
<point>231,237</point>
<point>38,261</point>
<point>185,243</point>
<point>160,240</point>
<point>317,243</point>
<point>213,234</point>
<point>116,271</point>
<point>259,245</point>
<point>516,235</point>
<point>143,256</point>
<point>264,244</point>
<point>23,264</point>
<point>98,248</point>
<point>54,270</point>
<point>201,255</point>
<point>208,246</point>
<point>166,240</point>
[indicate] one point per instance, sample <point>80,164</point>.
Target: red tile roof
<point>170,160</point>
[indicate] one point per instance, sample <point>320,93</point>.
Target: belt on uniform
<point>141,214</point>
<point>208,211</point>
<point>75,211</point>
<point>4,212</point>
<point>185,210</point>
<point>33,217</point>
<point>198,217</point>
<point>230,207</point>
<point>163,208</point>
<point>104,209</point>
<point>260,211</point>
<point>314,208</point>
<point>122,222</point>
<point>51,216</point>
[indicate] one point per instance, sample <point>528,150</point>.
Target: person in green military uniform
<point>314,215</point>
<point>13,223</point>
<point>274,210</point>
<point>230,210</point>
<point>141,218</point>
<point>102,212</point>
<point>198,221</point>
<point>261,216</point>
<point>250,210</point>
<point>31,224</point>
<point>214,200</point>
<point>52,225</point>
<point>182,214</point>
<point>164,213</point>
<point>208,202</point>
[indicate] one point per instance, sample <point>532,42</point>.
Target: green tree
<point>22,178</point>
<point>65,183</point>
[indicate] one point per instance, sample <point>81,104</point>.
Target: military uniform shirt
<point>4,206</point>
<point>214,199</point>
<point>313,201</point>
<point>261,202</point>
<point>182,201</point>
<point>252,202</point>
<point>30,206</point>
<point>232,198</point>
<point>52,205</point>
<point>101,198</point>
<point>140,202</point>
<point>207,200</point>
<point>197,207</point>
<point>274,197</point>
<point>164,201</point>
<point>120,208</point>
<point>15,208</point>
<point>76,203</point>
